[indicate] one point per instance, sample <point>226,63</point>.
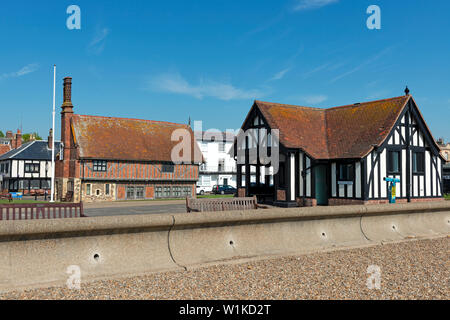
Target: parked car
<point>201,190</point>
<point>222,189</point>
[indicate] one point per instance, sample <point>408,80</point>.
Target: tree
<point>27,136</point>
<point>2,135</point>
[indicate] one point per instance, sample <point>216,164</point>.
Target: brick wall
<point>307,202</point>
<point>281,195</point>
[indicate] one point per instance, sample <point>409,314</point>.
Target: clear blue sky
<point>168,60</point>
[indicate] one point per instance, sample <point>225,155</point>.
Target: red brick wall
<point>149,192</point>
<point>281,195</point>
<point>308,202</point>
<point>120,192</point>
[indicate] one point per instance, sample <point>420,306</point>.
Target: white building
<point>219,167</point>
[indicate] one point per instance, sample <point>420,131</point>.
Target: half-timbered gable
<point>342,155</point>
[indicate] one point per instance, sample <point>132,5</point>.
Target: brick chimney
<point>9,134</point>
<point>50,139</point>
<point>18,142</point>
<point>66,116</point>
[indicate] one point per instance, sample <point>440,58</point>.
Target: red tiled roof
<point>4,148</point>
<point>341,132</point>
<point>126,139</point>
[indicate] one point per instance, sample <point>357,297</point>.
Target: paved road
<point>134,209</point>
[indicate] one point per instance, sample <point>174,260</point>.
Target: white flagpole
<point>52,195</point>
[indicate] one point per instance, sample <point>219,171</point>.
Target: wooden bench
<point>6,196</point>
<point>222,204</point>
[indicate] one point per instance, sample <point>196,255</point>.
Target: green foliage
<point>27,136</point>
<point>2,135</point>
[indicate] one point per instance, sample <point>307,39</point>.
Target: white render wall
<point>212,155</point>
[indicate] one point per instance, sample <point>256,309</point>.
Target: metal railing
<point>35,211</point>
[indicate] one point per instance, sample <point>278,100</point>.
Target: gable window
<point>31,167</point>
<point>393,165</point>
<point>168,168</point>
<point>99,165</point>
<point>345,172</point>
<point>418,162</point>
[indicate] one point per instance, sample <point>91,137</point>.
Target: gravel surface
<point>409,270</point>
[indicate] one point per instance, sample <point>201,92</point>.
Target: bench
<point>222,204</point>
<point>6,196</point>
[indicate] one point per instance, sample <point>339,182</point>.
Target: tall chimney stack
<point>50,139</point>
<point>66,119</point>
<point>67,106</point>
<point>18,139</point>
<point>9,134</point>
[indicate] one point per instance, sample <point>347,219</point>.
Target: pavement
<point>99,209</point>
<point>416,269</point>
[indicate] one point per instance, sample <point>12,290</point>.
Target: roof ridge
<point>366,102</point>
<point>290,105</point>
<point>134,119</point>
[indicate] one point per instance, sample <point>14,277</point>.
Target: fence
<point>41,211</point>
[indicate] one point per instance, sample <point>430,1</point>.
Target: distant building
<point>445,149</point>
<point>28,167</point>
<point>219,168</point>
<point>5,145</point>
<point>107,159</point>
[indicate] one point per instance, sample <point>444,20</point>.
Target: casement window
<point>99,165</point>
<point>345,172</point>
<point>32,167</point>
<point>167,192</point>
<point>187,191</point>
<point>177,192</point>
<point>205,181</point>
<point>107,189</point>
<point>158,192</point>
<point>168,168</point>
<point>88,189</point>
<point>221,167</point>
<point>393,162</point>
<point>418,162</point>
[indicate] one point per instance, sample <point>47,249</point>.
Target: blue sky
<point>208,60</point>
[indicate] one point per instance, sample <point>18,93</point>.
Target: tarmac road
<point>110,209</point>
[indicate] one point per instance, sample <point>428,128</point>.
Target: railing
<point>41,211</point>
